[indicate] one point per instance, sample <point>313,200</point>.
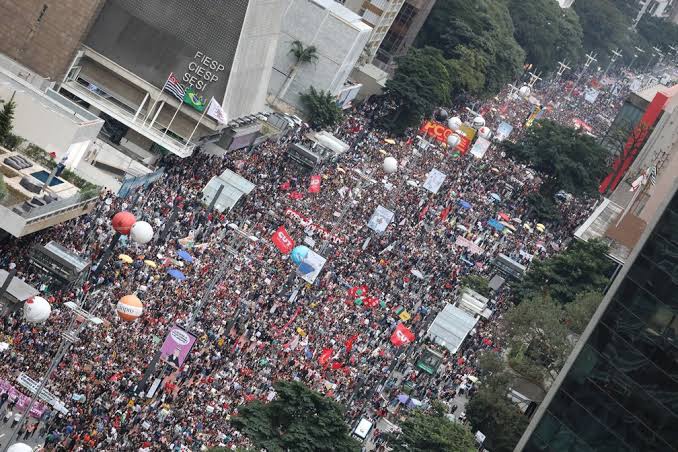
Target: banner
<point>591,95</point>
<point>311,266</point>
<point>325,356</point>
<point>282,240</point>
<point>314,187</point>
<point>215,111</point>
<point>176,347</point>
<point>192,98</point>
<point>380,219</point>
<point>471,246</point>
<point>434,181</point>
<point>503,131</point>
<point>402,336</point>
<point>436,130</point>
<point>533,116</point>
<point>308,224</point>
<point>37,409</point>
<point>480,147</point>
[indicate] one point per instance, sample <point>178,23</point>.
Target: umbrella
<point>125,258</point>
<point>461,227</point>
<point>382,152</point>
<point>389,141</point>
<point>403,398</point>
<point>540,227</point>
<point>151,263</point>
<point>494,170</point>
<point>185,256</point>
<point>508,226</point>
<point>176,274</point>
<point>496,197</point>
<point>503,216</point>
<point>464,204</point>
<point>527,227</point>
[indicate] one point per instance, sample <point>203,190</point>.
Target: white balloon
<point>453,140</point>
<point>454,123</point>
<point>485,132</point>
<point>390,165</point>
<point>525,91</point>
<point>141,232</point>
<point>19,447</point>
<point>478,122</point>
<point>37,310</point>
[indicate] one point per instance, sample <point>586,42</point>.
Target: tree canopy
<point>578,313</point>
<point>582,267</point>
<point>546,32</point>
<point>572,161</point>
<point>491,412</point>
<point>421,83</point>
<point>424,432</point>
<point>6,121</point>
<point>322,108</point>
<point>605,27</point>
<point>297,419</point>
<point>658,32</point>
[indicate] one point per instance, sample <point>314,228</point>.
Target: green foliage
<point>605,27</point>
<point>658,32</point>
<point>303,54</point>
<point>537,337</point>
<point>477,283</point>
<point>422,432</point>
<point>543,208</point>
<point>573,161</point>
<point>297,419</point>
<point>582,267</point>
<point>3,187</point>
<point>6,120</point>
<point>39,155</point>
<point>485,28</point>
<point>322,107</point>
<point>578,313</point>
<point>491,412</point>
<point>421,82</point>
<point>546,32</point>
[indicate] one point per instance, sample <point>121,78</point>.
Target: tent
<point>235,186</point>
<point>451,327</point>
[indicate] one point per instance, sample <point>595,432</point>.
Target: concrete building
<point>565,3</point>
<point>378,14</point>
<point>403,32</point>
<point>339,37</point>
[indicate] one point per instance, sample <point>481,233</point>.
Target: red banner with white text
<point>282,240</point>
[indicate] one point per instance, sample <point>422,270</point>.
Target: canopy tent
<point>472,302</point>
<point>18,290</point>
<point>235,186</point>
<point>451,327</point>
<point>329,141</point>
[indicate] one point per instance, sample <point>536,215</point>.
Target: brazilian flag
<point>192,98</point>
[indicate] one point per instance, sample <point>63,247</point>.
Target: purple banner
<point>176,347</point>
<point>36,410</point>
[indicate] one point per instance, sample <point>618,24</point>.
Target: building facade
<point>379,15</point>
<point>618,390</point>
<point>338,35</point>
<point>403,32</point>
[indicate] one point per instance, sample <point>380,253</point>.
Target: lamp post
<point>615,54</point>
<point>635,56</point>
<point>590,58</point>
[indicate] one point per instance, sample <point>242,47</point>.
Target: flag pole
<point>181,102</point>
<point>188,142</point>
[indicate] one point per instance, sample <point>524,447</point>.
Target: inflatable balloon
<point>19,447</point>
<point>299,253</point>
<point>525,91</point>
<point>122,222</point>
<point>478,122</point>
<point>129,308</point>
<point>141,232</point>
<point>37,310</point>
<point>454,123</point>
<point>390,165</point>
<point>453,140</point>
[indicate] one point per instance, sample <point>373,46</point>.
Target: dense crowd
<point>262,323</point>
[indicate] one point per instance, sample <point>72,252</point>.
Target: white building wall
<point>253,62</point>
<point>339,37</point>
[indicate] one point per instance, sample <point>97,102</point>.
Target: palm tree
<point>302,55</point>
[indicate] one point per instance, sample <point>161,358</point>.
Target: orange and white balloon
<point>129,308</point>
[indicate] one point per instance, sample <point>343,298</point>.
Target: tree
<point>500,420</point>
<point>3,187</point>
<point>297,419</point>
<point>421,82</point>
<point>605,27</point>
<point>658,32</point>
<point>572,161</point>
<point>302,55</point>
<point>322,107</point>
<point>485,28</point>
<point>6,120</point>
<point>546,32</point>
<point>422,432</point>
<point>578,313</point>
<point>582,267</point>
<point>477,283</point>
<point>543,208</point>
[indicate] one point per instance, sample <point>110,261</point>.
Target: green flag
<point>194,99</point>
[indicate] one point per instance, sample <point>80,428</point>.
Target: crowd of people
<point>262,323</point>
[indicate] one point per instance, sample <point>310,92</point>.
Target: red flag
<point>337,365</point>
<point>325,356</point>
<point>370,302</point>
<point>423,213</point>
<point>357,292</point>
<point>402,336</point>
<point>349,343</point>
<point>296,195</point>
<point>314,187</point>
<point>285,186</point>
<point>282,240</point>
<point>444,213</point>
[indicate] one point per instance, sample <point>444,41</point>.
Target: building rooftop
<point>343,13</point>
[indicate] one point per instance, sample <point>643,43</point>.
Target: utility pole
<point>615,54</point>
<point>534,78</point>
<point>635,55</point>
<point>590,58</point>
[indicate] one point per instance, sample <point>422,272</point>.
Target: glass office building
<point>621,391</point>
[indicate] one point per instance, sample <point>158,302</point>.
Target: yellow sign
<point>405,316</point>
